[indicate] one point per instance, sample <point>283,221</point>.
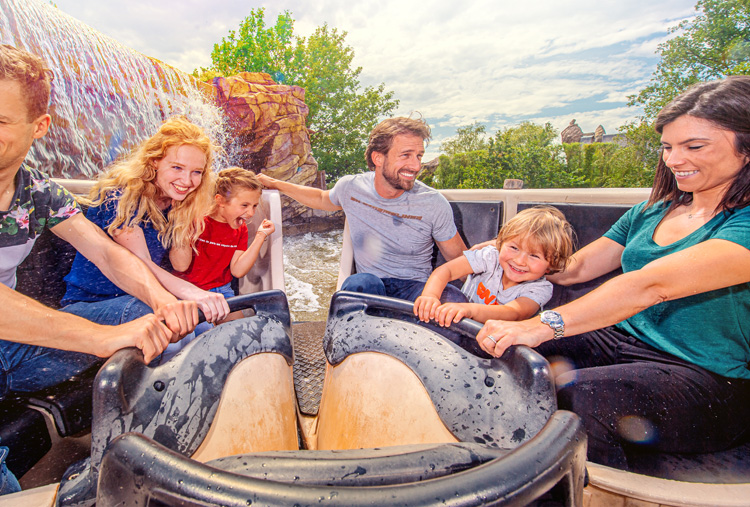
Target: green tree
<point>592,161</point>
<point>465,170</point>
<point>636,161</point>
<point>257,48</point>
<point>469,138</point>
<point>342,113</point>
<point>529,152</point>
<point>608,165</point>
<point>714,44</point>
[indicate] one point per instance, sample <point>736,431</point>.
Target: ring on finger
<point>492,338</point>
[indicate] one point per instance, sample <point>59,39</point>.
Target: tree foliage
<point>531,153</point>
<point>469,138</point>
<point>712,45</point>
<point>528,152</point>
<point>342,113</point>
<point>464,170</point>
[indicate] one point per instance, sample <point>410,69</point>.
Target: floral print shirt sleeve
<point>38,203</point>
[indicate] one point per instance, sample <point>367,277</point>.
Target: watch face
<point>554,319</point>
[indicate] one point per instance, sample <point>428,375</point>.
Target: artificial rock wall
<point>267,124</point>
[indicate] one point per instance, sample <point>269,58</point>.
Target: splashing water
<point>311,268</point>
<point>106,98</point>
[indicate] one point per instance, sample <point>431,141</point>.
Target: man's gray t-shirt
<point>393,238</point>
<point>485,286</point>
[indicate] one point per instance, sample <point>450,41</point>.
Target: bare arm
<point>116,263</point>
<point>181,257</point>
<point>213,305</point>
<point>24,320</point>
<point>710,265</point>
<point>242,262</point>
<point>452,248</point>
<point>309,196</point>
<point>594,260</point>
<point>518,309</point>
<point>428,302</point>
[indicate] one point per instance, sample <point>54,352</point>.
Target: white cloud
<point>481,60</point>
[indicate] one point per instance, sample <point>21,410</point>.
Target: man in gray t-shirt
<point>393,219</point>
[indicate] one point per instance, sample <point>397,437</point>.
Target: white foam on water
<point>302,297</point>
<point>311,266</point>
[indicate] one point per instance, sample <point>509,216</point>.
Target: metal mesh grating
<point>309,365</point>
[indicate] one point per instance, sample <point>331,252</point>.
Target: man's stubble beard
<point>395,181</point>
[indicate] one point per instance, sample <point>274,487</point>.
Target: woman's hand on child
<point>448,313</point>
<point>425,306</point>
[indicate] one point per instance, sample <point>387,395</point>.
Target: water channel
<point>311,266</point>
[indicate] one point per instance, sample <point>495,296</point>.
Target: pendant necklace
<point>692,215</point>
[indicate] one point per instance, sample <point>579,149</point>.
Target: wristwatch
<point>555,321</point>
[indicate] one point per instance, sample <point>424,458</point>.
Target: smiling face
<point>179,173</point>
<point>522,260</point>
<point>396,171</point>
<point>701,156</point>
<point>17,131</point>
<point>238,208</point>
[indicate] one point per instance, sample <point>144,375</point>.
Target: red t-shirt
<point>216,247</point>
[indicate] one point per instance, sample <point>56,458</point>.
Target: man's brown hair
<point>31,73</point>
<point>381,137</point>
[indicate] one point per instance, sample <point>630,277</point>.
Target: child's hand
<point>266,227</point>
<point>449,313</point>
<point>424,307</point>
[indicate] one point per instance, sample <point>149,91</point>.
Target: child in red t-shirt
<point>222,250</point>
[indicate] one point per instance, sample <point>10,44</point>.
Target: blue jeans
<point>30,368</point>
<point>8,482</point>
<point>110,312</point>
<point>408,290</point>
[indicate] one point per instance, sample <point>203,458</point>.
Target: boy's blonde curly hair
<point>546,227</point>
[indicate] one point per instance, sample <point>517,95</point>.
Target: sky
<point>497,62</point>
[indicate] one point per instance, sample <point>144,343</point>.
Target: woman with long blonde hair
<point>154,199</point>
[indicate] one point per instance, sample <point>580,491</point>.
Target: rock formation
<point>267,123</point>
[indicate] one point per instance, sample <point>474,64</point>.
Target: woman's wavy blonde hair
<point>133,181</point>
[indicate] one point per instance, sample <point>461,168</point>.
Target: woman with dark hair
<point>659,355</point>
